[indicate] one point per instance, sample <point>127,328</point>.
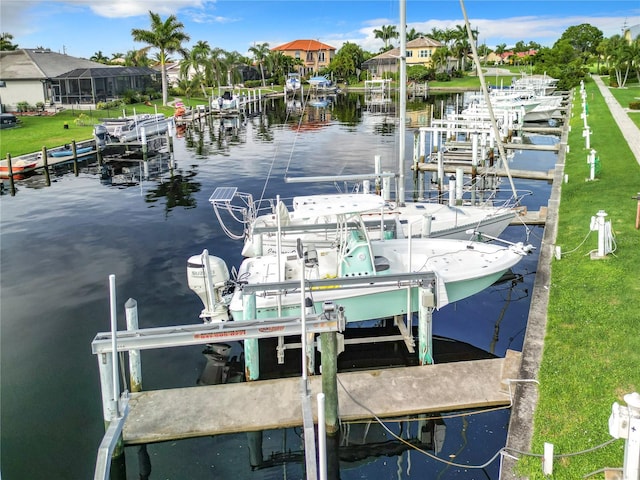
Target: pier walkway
<point>172,414</point>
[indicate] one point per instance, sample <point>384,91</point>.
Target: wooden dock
<point>164,415</point>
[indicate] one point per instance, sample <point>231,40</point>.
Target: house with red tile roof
<point>314,55</point>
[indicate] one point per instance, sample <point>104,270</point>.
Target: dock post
<point>98,152</point>
<point>251,346</point>
<point>425,320</point>
<point>74,156</point>
<point>254,442</point>
<point>12,185</point>
<point>135,371</point>
<point>145,147</point>
<point>45,166</point>
<point>329,370</point>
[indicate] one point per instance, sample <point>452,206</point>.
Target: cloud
<point>129,8</point>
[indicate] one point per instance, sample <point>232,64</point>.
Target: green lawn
<point>630,93</point>
<point>35,132</point>
<point>592,346</point>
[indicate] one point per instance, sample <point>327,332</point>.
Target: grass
<point>592,347</point>
<point>630,93</point>
<point>35,132</point>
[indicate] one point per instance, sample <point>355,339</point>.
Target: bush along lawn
<point>592,347</point>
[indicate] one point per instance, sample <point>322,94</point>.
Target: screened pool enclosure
<point>93,85</point>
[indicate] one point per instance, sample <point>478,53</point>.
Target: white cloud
<point>129,8</point>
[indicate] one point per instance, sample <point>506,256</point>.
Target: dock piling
<point>12,185</point>
<point>425,319</point>
<point>45,165</point>
<point>329,345</point>
<point>251,346</point>
<point>135,369</point>
<point>74,156</point>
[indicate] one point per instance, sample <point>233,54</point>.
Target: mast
<point>487,99</point>
<point>403,100</point>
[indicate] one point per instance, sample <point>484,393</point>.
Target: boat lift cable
<point>494,125</point>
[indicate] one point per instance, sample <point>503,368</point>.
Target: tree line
<point>204,66</point>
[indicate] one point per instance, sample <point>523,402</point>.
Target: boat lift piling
<point>45,165</point>
<point>12,183</point>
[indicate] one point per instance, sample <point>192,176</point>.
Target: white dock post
<point>135,370</point>
<point>114,344</point>
<point>452,191</point>
<point>322,439</point>
<point>624,422</point>
<point>377,168</point>
<point>425,319</point>
<point>459,184</point>
<point>251,346</point>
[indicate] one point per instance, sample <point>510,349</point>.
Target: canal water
<point>60,243</point>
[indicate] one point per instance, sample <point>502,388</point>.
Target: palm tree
<point>386,33</point>
<point>136,58</point>
<point>620,56</point>
<point>413,34</point>
<point>167,37</point>
<point>99,57</point>
<point>260,53</point>
<point>6,43</point>
<point>197,60</point>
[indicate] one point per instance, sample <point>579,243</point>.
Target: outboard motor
<point>101,133</point>
<point>208,276</point>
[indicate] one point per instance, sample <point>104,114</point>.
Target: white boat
<point>130,128</point>
<point>293,82</point>
<point>458,269</point>
<point>262,231</point>
<point>321,83</point>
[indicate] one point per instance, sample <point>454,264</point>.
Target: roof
<point>305,46</point>
<point>105,71</point>
<point>27,63</point>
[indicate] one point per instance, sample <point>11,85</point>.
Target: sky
<point>83,27</point>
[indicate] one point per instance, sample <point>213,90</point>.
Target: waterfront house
<point>40,76</point>
<point>419,52</point>
<point>314,55</point>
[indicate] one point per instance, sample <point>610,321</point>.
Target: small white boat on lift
<point>293,82</point>
<point>460,269</point>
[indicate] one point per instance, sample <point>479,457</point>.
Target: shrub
<point>83,120</point>
<point>635,105</point>
<point>23,107</point>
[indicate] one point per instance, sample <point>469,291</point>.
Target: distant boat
<point>322,84</point>
<point>293,82</point>
<point>67,152</point>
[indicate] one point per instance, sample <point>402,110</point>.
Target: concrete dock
<point>162,415</point>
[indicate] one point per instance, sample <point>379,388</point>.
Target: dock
<point>501,172</point>
<point>172,414</point>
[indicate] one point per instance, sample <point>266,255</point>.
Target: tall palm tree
<point>260,53</point>
<point>196,60</point>
<point>216,70</point>
<point>167,37</point>
<point>386,33</point>
<point>232,62</point>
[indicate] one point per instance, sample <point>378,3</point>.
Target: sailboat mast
<point>403,100</point>
<point>487,99</point>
